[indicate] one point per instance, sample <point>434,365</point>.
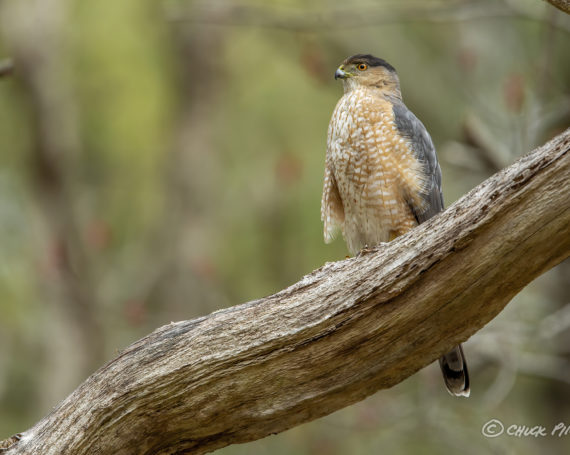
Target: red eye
<point>362,66</point>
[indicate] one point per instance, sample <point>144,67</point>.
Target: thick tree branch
<point>340,334</point>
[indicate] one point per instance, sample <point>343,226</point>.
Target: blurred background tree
<point>161,160</point>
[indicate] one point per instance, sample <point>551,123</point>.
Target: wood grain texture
<point>340,334</point>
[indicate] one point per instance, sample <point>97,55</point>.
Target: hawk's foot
<point>367,249</point>
<point>364,251</point>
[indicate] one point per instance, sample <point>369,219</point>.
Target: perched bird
<point>382,177</point>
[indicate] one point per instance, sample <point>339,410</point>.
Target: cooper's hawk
<point>382,177</point>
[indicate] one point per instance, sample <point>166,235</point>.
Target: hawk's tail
<point>455,374</point>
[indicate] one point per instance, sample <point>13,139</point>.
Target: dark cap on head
<point>370,60</point>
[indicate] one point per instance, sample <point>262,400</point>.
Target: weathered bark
<point>340,334</point>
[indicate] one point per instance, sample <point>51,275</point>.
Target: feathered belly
<point>372,169</point>
<point>374,205</point>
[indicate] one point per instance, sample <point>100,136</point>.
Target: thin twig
<point>562,5</point>
<point>6,68</point>
<point>297,20</point>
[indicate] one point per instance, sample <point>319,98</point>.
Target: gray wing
<point>412,128</point>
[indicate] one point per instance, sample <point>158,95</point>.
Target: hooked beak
<point>340,73</point>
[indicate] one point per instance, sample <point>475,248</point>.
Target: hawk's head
<point>367,70</point>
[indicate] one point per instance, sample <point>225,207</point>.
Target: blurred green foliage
<point>193,182</point>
